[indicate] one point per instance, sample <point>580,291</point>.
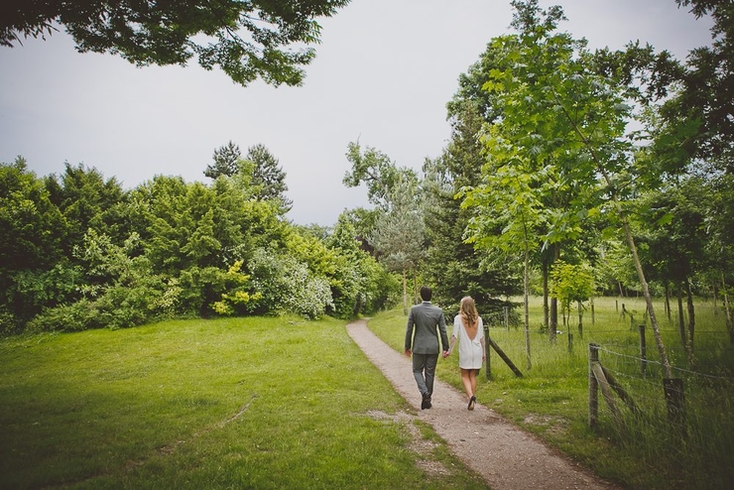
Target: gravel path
<point>507,457</point>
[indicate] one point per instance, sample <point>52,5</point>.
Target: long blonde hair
<point>468,311</point>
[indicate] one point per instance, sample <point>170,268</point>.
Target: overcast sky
<point>383,74</point>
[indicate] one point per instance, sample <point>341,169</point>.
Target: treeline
<point>77,251</point>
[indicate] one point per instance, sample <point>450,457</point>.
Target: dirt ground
<point>507,457</point>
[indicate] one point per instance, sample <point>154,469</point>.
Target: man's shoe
<point>426,402</point>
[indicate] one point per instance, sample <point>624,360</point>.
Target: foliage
<point>237,298</point>
<point>286,285</point>
<point>359,284</point>
<point>378,172</point>
<point>119,289</point>
<point>192,253</point>
<point>32,226</point>
<point>706,93</point>
<point>399,235</point>
<point>32,234</point>
<point>451,264</point>
<point>258,173</point>
<point>571,283</point>
<point>268,177</point>
<point>264,39</point>
<point>614,271</point>
<point>86,201</point>
<point>225,163</point>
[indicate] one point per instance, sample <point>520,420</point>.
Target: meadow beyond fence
<point>684,421</point>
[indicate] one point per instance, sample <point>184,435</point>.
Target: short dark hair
<point>426,293</point>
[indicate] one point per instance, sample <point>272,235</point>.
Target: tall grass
<point>234,403</point>
<point>551,399</point>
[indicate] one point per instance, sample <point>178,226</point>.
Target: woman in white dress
<point>469,332</point>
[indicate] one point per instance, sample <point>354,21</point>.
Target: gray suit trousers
<point>424,371</point>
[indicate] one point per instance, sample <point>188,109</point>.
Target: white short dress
<point>470,350</point>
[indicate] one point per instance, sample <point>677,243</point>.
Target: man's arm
<point>444,337</point>
<point>409,333</point>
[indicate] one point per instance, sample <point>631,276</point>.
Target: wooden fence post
<point>643,350</point>
<point>488,367</point>
<point>593,386</point>
<point>504,357</point>
<point>570,342</point>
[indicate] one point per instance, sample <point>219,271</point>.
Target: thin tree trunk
<point>681,317</point>
<point>727,309</point>
<point>554,301</point>
<point>526,288</point>
<point>416,294</point>
<point>551,334</point>
<point>715,291</point>
<point>526,292</point>
<point>646,292</point>
<point>405,295</point>
<point>581,316</point>
<point>691,324</point>
<point>593,314</point>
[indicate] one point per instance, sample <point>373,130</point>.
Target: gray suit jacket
<point>423,319</point>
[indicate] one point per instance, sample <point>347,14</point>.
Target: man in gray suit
<point>425,323</point>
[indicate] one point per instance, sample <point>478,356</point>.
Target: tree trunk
<point>691,324</point>
<point>581,316</point>
<point>727,309</point>
<point>667,301</point>
<point>553,324</point>
<point>405,295</point>
<point>681,317</point>
<point>526,293</point>
<point>526,287</point>
<point>593,315</point>
<point>715,292</point>
<point>645,289</point>
<point>416,292</point>
<point>544,266</point>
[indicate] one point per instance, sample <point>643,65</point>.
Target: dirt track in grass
<point>507,457</point>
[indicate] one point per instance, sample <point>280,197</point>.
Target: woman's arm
<point>451,344</point>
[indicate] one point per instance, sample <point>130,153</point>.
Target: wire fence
<point>688,415</point>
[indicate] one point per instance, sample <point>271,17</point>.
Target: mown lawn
<point>235,403</point>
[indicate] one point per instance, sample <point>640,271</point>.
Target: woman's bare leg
<point>473,380</point>
<point>466,379</point>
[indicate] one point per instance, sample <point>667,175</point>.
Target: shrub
<point>286,285</point>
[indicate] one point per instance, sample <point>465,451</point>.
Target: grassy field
<point>551,399</point>
<point>237,403</point>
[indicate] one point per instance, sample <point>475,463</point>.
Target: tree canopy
<point>267,39</point>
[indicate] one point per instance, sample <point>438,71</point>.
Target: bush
<point>74,317</point>
<point>9,324</point>
<point>286,285</point>
<point>117,306</point>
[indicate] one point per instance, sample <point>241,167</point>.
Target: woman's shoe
<point>472,401</point>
